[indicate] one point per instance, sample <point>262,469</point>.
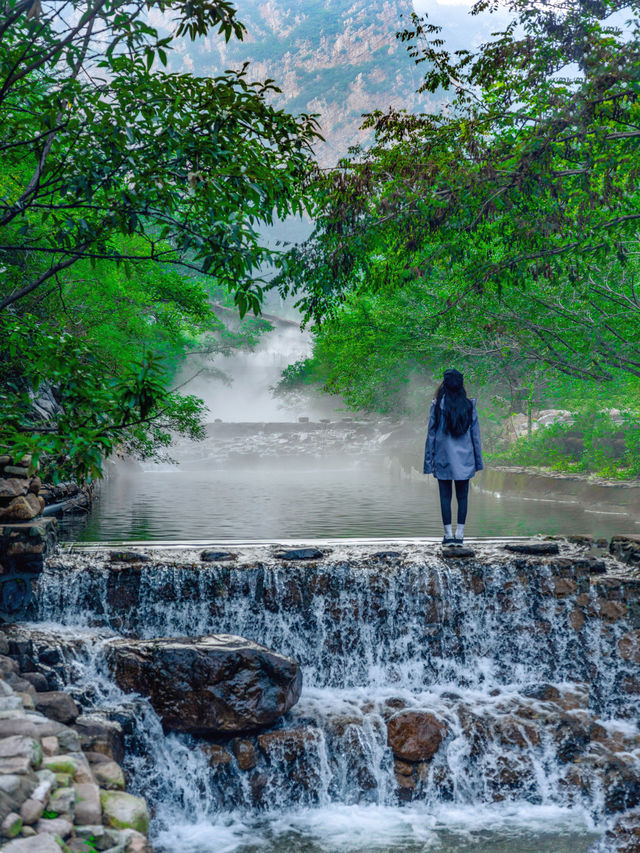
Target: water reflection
<point>335,497</point>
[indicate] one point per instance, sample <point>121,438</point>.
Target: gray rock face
<point>57,706</point>
<point>209,685</point>
<point>38,844</point>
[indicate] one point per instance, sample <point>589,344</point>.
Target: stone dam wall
<point>499,673</point>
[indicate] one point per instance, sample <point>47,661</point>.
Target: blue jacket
<point>449,458</point>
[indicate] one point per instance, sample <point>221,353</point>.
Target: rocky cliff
<point>338,58</point>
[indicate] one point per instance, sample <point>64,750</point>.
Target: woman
<point>453,451</point>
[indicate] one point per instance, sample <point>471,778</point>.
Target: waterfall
<point>512,660</point>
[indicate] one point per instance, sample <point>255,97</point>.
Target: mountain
<point>338,58</point>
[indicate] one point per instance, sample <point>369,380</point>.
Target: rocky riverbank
<point>61,785</point>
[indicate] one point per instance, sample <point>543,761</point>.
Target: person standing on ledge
<point>453,451</point>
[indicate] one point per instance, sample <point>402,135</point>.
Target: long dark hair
<point>457,409</point>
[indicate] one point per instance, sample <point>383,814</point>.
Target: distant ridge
<point>338,58</point>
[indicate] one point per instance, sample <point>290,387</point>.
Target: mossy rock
<point>124,811</point>
<point>61,764</point>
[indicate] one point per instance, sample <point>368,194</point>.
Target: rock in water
<point>415,735</point>
<point>217,684</point>
<point>216,556</point>
<point>535,549</point>
<point>300,554</point>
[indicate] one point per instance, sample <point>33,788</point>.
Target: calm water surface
<point>340,499</point>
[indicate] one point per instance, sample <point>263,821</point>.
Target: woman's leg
<point>446,492</point>
<point>462,497</point>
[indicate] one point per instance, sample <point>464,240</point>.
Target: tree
<point>96,145</point>
<point>128,195</point>
<point>506,212</point>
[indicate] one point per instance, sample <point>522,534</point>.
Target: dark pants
<point>462,496</point>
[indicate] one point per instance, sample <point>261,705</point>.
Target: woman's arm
<point>430,445</point>
<point>475,438</point>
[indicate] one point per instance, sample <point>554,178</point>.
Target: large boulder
<point>210,685</point>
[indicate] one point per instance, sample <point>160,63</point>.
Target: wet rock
<point>128,557</point>
<point>245,753</point>
<point>623,836</point>
<point>124,811</point>
<point>216,556</point>
<point>458,553</point>
<point>536,549</point>
<point>621,786</point>
<point>300,554</point>
<point>37,680</point>
<point>415,735</point>
<point>572,737</point>
<point>629,646</point>
<point>216,684</point>
<point>585,540</point>
<point>286,744</point>
<point>218,755</point>
<point>626,549</point>
<point>57,706</point>
<point>123,588</point>
<point>98,734</point>
<point>576,618</point>
<point>545,692</point>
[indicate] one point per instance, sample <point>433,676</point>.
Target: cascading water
<point>529,702</point>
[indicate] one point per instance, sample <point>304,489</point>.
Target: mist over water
<point>260,474</point>
<point>253,375</point>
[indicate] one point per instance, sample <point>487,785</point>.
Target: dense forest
<point>497,230</point>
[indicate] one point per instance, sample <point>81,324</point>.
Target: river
<point>285,480</point>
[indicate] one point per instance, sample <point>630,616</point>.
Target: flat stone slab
<point>128,557</point>
<point>300,554</point>
<point>216,556</point>
<point>535,549</point>
<point>457,552</point>
<point>43,843</point>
